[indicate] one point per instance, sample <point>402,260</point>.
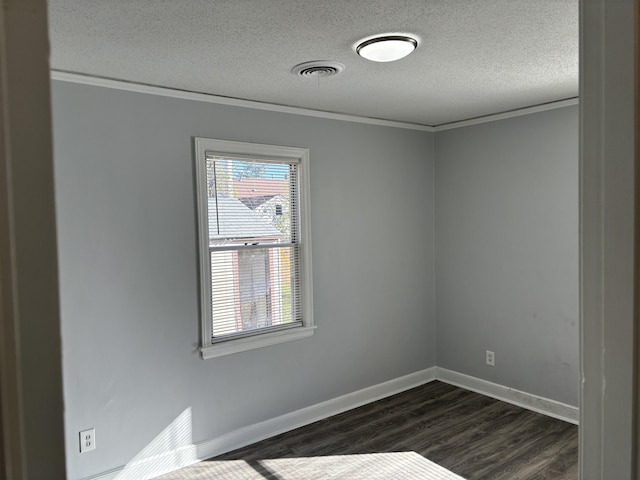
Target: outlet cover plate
<point>491,358</point>
<point>87,440</point>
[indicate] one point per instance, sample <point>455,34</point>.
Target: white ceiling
<point>475,57</point>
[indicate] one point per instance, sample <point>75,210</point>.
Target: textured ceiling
<point>475,57</point>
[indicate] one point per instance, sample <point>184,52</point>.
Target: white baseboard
<point>546,406</point>
<point>187,455</point>
<point>289,421</point>
<point>190,454</point>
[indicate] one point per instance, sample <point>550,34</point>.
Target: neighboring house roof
<point>253,202</point>
<point>236,220</point>
<point>257,187</point>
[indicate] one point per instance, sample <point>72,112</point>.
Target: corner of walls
<point>435,245</point>
<point>507,273</point>
<point>536,403</point>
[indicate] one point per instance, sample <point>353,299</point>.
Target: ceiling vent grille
<point>318,69</point>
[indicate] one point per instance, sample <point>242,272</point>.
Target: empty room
<point>309,240</point>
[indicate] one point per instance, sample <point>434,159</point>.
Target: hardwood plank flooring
<point>474,436</point>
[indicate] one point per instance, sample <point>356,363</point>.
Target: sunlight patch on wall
<point>170,450</point>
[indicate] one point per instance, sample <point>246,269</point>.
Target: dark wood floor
<point>474,436</point>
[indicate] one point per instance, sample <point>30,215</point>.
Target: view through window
<point>252,241</point>
<point>254,245</point>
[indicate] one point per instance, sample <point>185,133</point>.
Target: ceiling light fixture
<point>386,48</point>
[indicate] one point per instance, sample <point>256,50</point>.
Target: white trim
<point>252,150</point>
<point>510,114</point>
<point>239,102</point>
<point>220,100</point>
<point>546,406</point>
<point>255,151</point>
<point>190,454</point>
<point>194,453</point>
<point>299,418</point>
<point>255,341</point>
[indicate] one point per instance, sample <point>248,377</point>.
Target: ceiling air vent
<point>318,69</point>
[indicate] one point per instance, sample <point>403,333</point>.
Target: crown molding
<point>510,114</point>
<point>217,99</point>
<point>71,77</point>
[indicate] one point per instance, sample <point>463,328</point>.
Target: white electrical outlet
<point>87,440</point>
<point>491,358</point>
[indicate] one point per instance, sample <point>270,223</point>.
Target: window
<point>255,251</point>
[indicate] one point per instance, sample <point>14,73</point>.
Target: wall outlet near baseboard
<point>490,358</point>
<point>87,440</point>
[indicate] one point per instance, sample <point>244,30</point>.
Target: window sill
<point>257,341</point>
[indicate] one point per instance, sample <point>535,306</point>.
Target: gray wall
<point>507,252</point>
<point>128,268</point>
<point>506,215</point>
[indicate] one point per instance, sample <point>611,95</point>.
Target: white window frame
<point>252,151</point>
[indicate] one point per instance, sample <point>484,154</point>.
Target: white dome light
<point>386,49</point>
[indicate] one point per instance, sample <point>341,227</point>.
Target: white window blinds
<point>253,245</point>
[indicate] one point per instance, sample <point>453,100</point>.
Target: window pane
<point>253,274</point>
<point>253,288</point>
<point>249,201</point>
